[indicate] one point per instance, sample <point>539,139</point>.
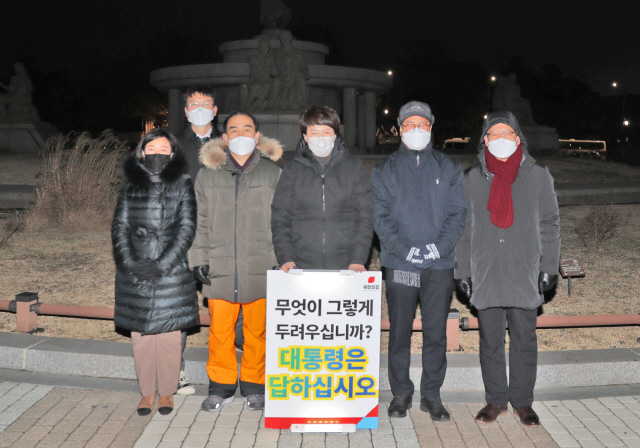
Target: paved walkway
<point>33,415</point>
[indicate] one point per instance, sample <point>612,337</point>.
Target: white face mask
<point>502,148</point>
<point>321,146</point>
<point>242,146</point>
<point>416,139</point>
<point>200,116</point>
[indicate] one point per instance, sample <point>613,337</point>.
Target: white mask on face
<point>200,116</point>
<point>241,146</point>
<point>321,146</point>
<point>502,148</point>
<point>416,139</point>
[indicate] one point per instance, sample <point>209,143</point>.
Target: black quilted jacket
<point>323,219</point>
<point>155,219</point>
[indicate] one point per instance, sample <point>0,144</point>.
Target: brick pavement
<point>68,417</point>
<point>593,422</point>
<point>51,417</point>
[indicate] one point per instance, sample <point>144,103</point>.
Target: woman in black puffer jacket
<point>152,230</point>
<point>322,210</point>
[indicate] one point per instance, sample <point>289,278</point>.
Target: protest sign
<point>323,349</point>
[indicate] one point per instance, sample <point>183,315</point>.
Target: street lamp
<point>389,73</point>
<point>492,79</point>
<point>624,97</point>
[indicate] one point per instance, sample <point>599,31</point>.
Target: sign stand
<point>323,427</point>
<point>571,267</point>
<point>323,350</point>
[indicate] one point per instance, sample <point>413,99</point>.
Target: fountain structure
<point>276,76</point>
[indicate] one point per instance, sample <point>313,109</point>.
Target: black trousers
<point>434,293</point>
<point>523,355</point>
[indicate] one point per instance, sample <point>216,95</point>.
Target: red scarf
<point>504,174</point>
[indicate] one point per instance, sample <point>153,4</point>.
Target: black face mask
<point>155,162</point>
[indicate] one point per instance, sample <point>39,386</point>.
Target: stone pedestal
<point>25,137</point>
<point>350,91</point>
<point>540,138</point>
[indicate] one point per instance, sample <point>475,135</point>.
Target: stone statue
<point>507,96</point>
<point>261,68</point>
<point>289,87</point>
<point>274,14</point>
<point>16,105</point>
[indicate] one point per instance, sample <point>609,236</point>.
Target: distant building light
<point>389,73</point>
<point>386,111</point>
<point>485,116</point>
<point>493,78</point>
<point>626,122</point>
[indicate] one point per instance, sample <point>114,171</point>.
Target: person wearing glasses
<point>506,259</point>
<point>419,213</point>
<point>200,110</point>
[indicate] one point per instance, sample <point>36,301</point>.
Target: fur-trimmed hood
<point>137,174</point>
<point>213,154</point>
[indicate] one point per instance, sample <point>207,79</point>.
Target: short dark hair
<point>241,112</point>
<point>152,135</point>
<point>319,116</point>
<point>202,89</point>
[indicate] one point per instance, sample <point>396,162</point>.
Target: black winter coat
<point>190,144</point>
<point>323,219</point>
<point>418,200</point>
<point>155,219</point>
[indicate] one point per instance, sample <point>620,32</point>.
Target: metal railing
<point>27,307</point>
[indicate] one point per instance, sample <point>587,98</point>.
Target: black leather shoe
<point>490,413</point>
<point>433,405</point>
<point>527,415</point>
<point>399,405</point>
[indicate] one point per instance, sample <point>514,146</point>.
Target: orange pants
<point>222,366</point>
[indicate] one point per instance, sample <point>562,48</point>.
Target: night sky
<point>86,58</point>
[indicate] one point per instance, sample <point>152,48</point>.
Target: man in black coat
<point>419,213</point>
<point>506,259</point>
<point>200,110</point>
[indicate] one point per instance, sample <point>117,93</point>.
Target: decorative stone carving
<point>274,14</point>
<point>261,68</point>
<point>289,87</point>
<point>507,96</point>
<point>16,104</point>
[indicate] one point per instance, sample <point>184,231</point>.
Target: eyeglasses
<point>411,126</point>
<point>497,135</point>
<point>196,104</point>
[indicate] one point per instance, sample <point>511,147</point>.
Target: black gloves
<point>464,286</point>
<point>146,270</point>
<point>201,273</point>
<point>546,282</point>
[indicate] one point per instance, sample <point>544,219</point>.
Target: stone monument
<point>274,14</point>
<point>507,96</point>
<point>20,127</point>
<point>289,87</point>
<point>261,69</point>
<point>276,76</point>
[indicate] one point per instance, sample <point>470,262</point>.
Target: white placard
<point>323,348</point>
